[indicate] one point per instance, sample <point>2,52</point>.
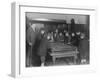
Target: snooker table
<point>62,50</point>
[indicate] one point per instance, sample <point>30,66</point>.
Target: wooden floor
<point>62,61</point>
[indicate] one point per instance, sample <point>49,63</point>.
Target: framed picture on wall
<point>52,40</point>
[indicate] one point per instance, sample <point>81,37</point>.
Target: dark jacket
<point>84,48</point>
<point>75,41</point>
<point>43,47</point>
<point>30,36</point>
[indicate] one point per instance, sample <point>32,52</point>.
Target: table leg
<point>75,59</point>
<point>54,59</point>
